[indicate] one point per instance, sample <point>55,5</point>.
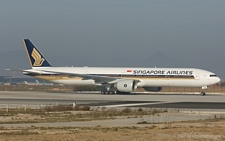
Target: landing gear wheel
<point>103,92</point>
<point>118,92</point>
<point>202,93</point>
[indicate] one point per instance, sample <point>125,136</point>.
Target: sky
<point>118,32</point>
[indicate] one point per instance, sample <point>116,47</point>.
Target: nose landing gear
<point>203,90</point>
<point>202,94</point>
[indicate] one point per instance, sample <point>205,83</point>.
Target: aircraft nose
<point>218,79</point>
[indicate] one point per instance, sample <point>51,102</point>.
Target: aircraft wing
<point>96,78</point>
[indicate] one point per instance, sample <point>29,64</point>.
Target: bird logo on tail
<point>38,61</point>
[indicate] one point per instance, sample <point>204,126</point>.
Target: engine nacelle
<point>153,89</point>
<point>126,85</point>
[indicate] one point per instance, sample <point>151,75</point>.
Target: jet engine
<point>153,89</point>
<point>126,85</point>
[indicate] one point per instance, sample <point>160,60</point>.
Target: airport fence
<point>92,89</point>
<point>211,89</point>
<point>46,107</point>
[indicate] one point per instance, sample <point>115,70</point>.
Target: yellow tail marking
<point>38,61</point>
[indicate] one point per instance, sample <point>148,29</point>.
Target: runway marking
<point>136,104</point>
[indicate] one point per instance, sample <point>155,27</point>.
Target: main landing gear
<point>108,92</point>
<point>114,92</point>
<point>108,89</point>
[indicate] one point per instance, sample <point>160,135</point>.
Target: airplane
<point>117,79</point>
<point>44,83</point>
<point>30,83</point>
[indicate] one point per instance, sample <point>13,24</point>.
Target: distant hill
<point>158,59</point>
<point>14,60</point>
<point>161,60</point>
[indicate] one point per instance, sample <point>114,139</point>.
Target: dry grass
<point>67,113</point>
<point>213,129</point>
<point>133,133</point>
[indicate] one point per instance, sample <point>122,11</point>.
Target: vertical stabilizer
<point>35,57</point>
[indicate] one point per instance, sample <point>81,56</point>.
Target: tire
<point>202,94</point>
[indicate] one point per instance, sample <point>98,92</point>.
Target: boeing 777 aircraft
<point>117,80</point>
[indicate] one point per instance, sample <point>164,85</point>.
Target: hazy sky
<point>192,32</point>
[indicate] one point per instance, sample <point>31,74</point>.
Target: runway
<point>178,101</point>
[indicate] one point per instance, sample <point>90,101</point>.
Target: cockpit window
<point>213,75</point>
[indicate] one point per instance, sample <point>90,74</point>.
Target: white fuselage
<point>147,77</point>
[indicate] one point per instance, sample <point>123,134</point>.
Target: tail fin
<point>37,81</point>
<point>25,82</point>
<point>35,57</point>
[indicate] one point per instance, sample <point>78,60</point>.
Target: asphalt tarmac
<point>181,107</point>
<point>177,101</point>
